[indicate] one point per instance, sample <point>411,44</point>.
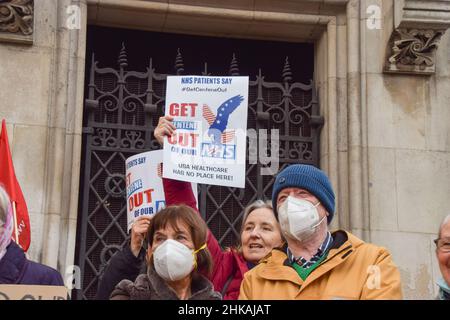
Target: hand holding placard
<point>139,231</point>
<point>165,128</point>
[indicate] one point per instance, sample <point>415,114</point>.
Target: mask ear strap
<point>195,254</point>
<point>318,223</point>
<point>201,248</point>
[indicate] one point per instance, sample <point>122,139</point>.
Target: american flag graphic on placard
<point>208,114</point>
<point>219,123</point>
<point>160,170</point>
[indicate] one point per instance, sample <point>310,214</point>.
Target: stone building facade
<point>381,70</point>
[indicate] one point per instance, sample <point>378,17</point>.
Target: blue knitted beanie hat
<point>309,178</point>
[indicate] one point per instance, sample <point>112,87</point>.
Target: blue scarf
<point>444,289</point>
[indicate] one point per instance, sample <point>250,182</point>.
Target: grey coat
<point>151,286</point>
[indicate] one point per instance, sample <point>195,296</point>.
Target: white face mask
<point>299,218</point>
<point>173,260</point>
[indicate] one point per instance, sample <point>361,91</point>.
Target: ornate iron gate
<point>121,111</point>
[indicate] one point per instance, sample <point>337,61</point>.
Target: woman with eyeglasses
<point>443,256</point>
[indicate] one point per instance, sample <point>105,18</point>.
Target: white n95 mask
<point>173,260</point>
<point>298,218</point>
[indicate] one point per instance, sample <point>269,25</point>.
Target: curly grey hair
<point>4,204</point>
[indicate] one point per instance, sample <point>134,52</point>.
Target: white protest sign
<point>145,193</point>
<point>209,144</point>
<point>32,292</point>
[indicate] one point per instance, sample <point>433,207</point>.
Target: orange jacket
<point>353,269</point>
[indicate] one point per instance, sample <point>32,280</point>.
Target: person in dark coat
<point>123,265</point>
<point>176,258</point>
<point>260,233</point>
<point>15,268</point>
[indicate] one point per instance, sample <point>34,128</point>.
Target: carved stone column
<point>16,21</point>
<point>419,26</point>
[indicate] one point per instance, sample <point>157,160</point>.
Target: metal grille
<point>121,111</point>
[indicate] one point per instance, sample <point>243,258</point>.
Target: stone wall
<point>26,82</point>
<point>408,152</point>
<point>41,92</point>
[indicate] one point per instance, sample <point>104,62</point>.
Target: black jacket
<point>151,286</point>
<point>122,265</point>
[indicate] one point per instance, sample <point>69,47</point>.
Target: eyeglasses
<point>443,244</point>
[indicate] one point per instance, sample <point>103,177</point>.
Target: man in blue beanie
<point>315,263</point>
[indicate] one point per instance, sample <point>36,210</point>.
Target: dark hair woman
<point>176,258</point>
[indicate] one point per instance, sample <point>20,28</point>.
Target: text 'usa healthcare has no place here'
<point>210,116</point>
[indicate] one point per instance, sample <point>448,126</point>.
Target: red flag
<point>9,181</point>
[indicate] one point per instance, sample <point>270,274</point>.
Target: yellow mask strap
<point>201,248</point>
<point>195,254</point>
